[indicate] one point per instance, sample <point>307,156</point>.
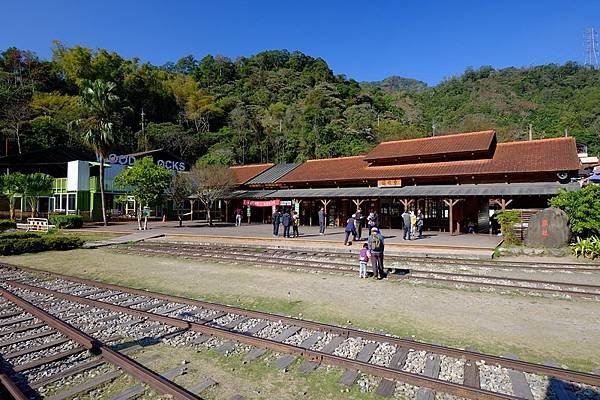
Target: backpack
<point>376,243</point>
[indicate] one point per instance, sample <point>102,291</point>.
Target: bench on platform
<point>36,224</point>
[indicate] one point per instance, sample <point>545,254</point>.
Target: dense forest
<point>280,106</point>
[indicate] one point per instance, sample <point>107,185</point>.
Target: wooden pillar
<point>325,203</point>
<point>451,203</point>
<point>503,203</point>
<point>357,203</point>
<point>406,203</point>
<point>192,201</point>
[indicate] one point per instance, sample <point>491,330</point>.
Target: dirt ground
<point>533,328</point>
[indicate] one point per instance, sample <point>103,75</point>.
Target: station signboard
<point>389,183</point>
<point>261,203</point>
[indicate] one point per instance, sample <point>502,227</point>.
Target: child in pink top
<point>363,258</point>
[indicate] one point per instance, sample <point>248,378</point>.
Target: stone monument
<point>548,228</point>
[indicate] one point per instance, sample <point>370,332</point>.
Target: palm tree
<point>99,101</point>
<point>36,185</point>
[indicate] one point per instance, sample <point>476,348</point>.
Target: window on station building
<point>71,202</point>
<point>64,202</point>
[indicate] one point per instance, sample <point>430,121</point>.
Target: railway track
<point>396,366</point>
<point>33,341</point>
<point>348,254</point>
<point>340,262</point>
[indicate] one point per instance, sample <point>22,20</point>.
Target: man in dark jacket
<point>276,222</point>
<point>406,222</point>
<point>420,222</point>
<point>322,221</point>
<point>359,223</point>
<point>349,230</point>
<point>286,220</point>
<point>376,247</point>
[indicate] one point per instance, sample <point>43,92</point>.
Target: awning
<point>469,190</point>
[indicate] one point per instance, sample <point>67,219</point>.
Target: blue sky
<point>365,40</point>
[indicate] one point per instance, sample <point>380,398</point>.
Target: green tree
<point>146,182</point>
<point>12,185</point>
<point>99,102</point>
<point>582,207</point>
<point>210,183</point>
<point>35,186</point>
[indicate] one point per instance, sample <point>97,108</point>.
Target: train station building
<point>455,180</point>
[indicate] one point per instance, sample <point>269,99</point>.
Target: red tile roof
<point>545,155</point>
<point>434,147</point>
<point>243,173</point>
<point>327,169</point>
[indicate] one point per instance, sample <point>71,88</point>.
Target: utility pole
<point>530,132</point>
<point>591,48</point>
<point>433,126</point>
<point>144,132</point>
<point>566,132</point>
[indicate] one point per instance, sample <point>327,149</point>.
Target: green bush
<point>7,224</point>
<point>588,248</point>
<point>19,235</point>
<point>63,221</point>
<point>582,207</point>
<point>507,220</point>
<point>34,244</point>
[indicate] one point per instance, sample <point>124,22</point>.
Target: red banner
<point>261,203</point>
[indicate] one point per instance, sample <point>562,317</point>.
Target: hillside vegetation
<point>280,106</point>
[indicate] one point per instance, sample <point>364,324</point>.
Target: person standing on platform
<point>349,230</point>
<point>363,259</point>
<point>295,224</point>
<point>238,217</point>
<point>359,223</point>
<point>420,223</point>
<point>406,222</point>
<point>375,219</point>
<point>371,221</point>
<point>286,220</point>
<point>376,247</point>
<point>322,221</point>
<point>276,222</point>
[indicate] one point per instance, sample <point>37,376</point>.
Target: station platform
<point>433,244</point>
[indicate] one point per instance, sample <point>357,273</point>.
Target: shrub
<point>588,248</point>
<point>582,207</point>
<point>19,235</point>
<point>63,221</point>
<point>507,220</point>
<point>23,243</point>
<point>7,224</point>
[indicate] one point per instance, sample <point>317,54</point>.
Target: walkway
<point>131,237</point>
<point>436,244</point>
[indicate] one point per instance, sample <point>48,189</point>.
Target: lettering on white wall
<point>130,160</point>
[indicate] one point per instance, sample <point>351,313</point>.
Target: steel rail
<point>298,263</point>
<point>547,265</point>
<point>11,388</point>
<point>127,364</point>
<point>313,355</point>
<point>524,366</point>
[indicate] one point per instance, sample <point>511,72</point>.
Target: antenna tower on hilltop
<point>591,47</point>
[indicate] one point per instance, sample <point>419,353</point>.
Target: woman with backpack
<point>376,246</point>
